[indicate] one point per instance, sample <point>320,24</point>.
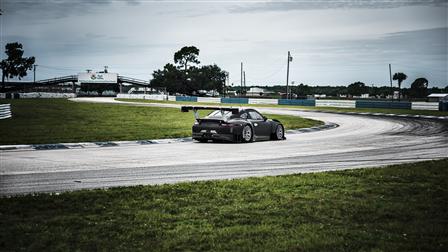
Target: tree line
<point>419,89</point>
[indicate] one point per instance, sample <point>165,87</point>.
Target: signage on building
<point>97,77</point>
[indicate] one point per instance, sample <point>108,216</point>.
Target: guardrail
<point>5,111</point>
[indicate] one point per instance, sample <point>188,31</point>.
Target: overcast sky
<point>332,42</point>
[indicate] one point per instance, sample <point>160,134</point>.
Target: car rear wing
<point>195,110</point>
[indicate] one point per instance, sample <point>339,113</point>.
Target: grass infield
<point>396,208</point>
<point>38,121</point>
<point>330,109</point>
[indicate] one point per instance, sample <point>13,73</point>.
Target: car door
<point>262,127</point>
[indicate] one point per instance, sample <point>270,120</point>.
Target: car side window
<point>255,115</point>
<point>244,115</point>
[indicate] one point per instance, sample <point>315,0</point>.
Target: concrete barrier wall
<point>263,101</point>
<point>235,100</point>
<point>297,102</point>
<point>425,105</point>
<point>45,95</point>
<point>131,96</point>
<point>443,106</point>
<point>155,97</point>
<point>383,104</point>
<point>5,111</point>
<point>209,99</point>
<point>171,98</point>
<point>187,98</point>
<point>142,96</point>
<point>336,103</point>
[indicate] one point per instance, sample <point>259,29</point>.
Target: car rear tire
<point>279,132</point>
<point>247,134</point>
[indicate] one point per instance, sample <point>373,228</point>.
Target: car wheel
<point>279,132</point>
<point>247,134</point>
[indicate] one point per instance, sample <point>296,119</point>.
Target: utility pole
<point>241,80</point>
<point>390,75</point>
<point>34,70</point>
<point>287,75</point>
<point>244,77</point>
<point>390,78</point>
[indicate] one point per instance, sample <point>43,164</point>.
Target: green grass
<point>397,208</point>
<point>37,121</point>
<point>330,109</point>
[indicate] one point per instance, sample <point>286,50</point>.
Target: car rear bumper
<point>213,136</point>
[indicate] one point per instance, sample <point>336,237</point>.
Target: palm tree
<point>400,77</point>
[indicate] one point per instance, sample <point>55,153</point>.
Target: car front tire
<point>279,132</point>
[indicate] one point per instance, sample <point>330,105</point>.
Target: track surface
<point>359,141</point>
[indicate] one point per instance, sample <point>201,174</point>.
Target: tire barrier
<point>5,111</point>
<point>297,102</point>
<point>383,104</point>
<point>187,98</point>
<point>235,100</point>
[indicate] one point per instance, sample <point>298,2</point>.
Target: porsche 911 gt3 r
<point>234,125</point>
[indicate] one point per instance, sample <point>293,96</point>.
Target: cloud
<point>54,9</point>
<point>330,4</point>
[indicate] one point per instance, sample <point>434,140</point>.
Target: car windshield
<point>218,114</point>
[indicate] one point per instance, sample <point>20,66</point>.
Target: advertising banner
<point>97,77</point>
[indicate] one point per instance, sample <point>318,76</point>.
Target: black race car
<point>234,125</point>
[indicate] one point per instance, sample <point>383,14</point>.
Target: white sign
<point>97,77</point>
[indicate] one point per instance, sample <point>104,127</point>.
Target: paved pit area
<point>359,141</point>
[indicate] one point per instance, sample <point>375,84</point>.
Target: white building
<point>437,97</point>
<point>255,91</point>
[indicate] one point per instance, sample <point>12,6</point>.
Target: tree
<point>170,77</point>
<point>187,54</point>
<point>419,88</point>
<point>189,80</point>
<point>15,65</point>
<point>400,77</point>
<point>357,88</point>
<point>209,77</point>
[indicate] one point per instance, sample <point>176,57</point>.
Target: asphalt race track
<point>359,141</point>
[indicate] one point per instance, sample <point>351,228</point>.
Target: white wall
<point>155,97</point>
<point>336,103</point>
<point>263,101</point>
<point>171,98</point>
<point>425,105</point>
<point>209,99</point>
<point>142,96</point>
<point>131,96</point>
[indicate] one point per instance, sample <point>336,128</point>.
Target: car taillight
<point>230,124</point>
